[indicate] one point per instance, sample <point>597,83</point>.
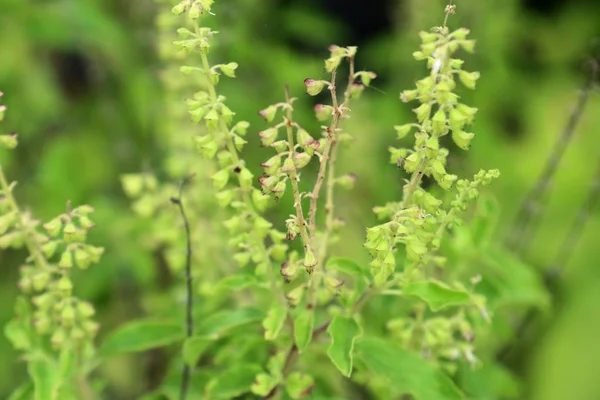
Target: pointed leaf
<point>343,332</point>
<point>303,328</point>
<point>44,375</point>
<point>347,266</point>
<point>216,325</point>
<point>274,321</point>
<point>406,371</point>
<point>142,335</point>
<point>234,382</point>
<point>436,294</point>
<point>299,385</point>
<point>193,348</point>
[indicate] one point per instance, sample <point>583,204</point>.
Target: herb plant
<point>271,311</point>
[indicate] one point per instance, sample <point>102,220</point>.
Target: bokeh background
<point>81,83</point>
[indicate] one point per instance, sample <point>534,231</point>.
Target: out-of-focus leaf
<point>142,335</point>
<point>406,371</point>
<point>343,332</point>
<point>436,294</point>
<point>216,325</point>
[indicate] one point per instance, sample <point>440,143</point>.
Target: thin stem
<point>304,236</point>
<point>532,207</point>
<point>189,323</point>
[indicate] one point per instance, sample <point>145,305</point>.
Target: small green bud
<point>346,181</point>
<point>356,90</point>
<point>77,334</point>
<point>419,55</point>
<point>288,166</point>
<point>295,295</point>
<point>423,112</point>
<point>241,128</point>
<point>268,182</point>
<point>220,179</point>
<point>54,226</point>
<point>7,220</point>
<point>229,69</point>
<point>85,309</point>
<point>439,122</point>
<point>457,119</point>
<point>44,301</point>
<point>309,261</point>
<point>40,280</point>
<point>366,77</point>
<point>58,337</point>
<point>9,141</point>
<point>42,324</point>
<point>333,283</point>
<point>179,8</point>
<point>245,178</point>
<point>402,130</point>
<point>272,165</point>
<point>90,327</point>
<point>460,34</point>
<point>226,113</point>
<point>278,252</point>
<point>279,189</point>
<point>428,37</point>
<point>314,87</point>
<point>304,139</point>
<point>211,119</point>
<point>468,78</point>
<point>206,146</point>
<point>82,258</point>
<point>261,226</point>
<point>323,112</point>
<point>65,285</point>
<point>332,63</point>
<point>462,139</point>
<point>268,136</point>
<point>67,316</point>
<point>301,160</point>
<point>468,45</point>
<point>261,202</point>
<point>280,146</point>
<point>408,95</point>
<point>242,259</point>
<point>268,113</point>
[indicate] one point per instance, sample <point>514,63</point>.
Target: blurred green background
<point>80,79</point>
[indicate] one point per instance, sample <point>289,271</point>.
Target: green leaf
<point>515,282</point>
<point>264,383</point>
<point>44,375</point>
<point>303,328</point>
<point>437,294</point>
<point>406,371</point>
<point>216,325</point>
<point>298,385</point>
<point>193,348</point>
<point>234,382</point>
<point>274,321</point>
<point>23,392</point>
<point>236,282</point>
<point>343,332</point>
<point>142,335</point>
<point>346,266</point>
<point>17,334</point>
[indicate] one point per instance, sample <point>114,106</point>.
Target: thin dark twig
<point>185,377</point>
<point>532,207</point>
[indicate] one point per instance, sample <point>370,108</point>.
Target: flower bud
<point>462,139</point>
<point>304,139</point>
<point>346,181</point>
<point>438,122</point>
<point>66,260</point>
<point>58,337</point>
<point>229,69</point>
<point>268,136</point>
<point>314,87</point>
<point>408,95</point>
<point>323,112</point>
<point>280,146</point>
<point>423,112</point>
<point>9,141</point>
<point>356,90</point>
<point>309,261</point>
<point>301,160</point>
<point>288,166</point>
<point>332,63</point>
<point>294,296</point>
<point>468,78</point>
<point>402,130</point>
<point>85,309</point>
<point>268,113</point>
<point>220,179</point>
<point>40,280</point>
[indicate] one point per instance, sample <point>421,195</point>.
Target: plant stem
<point>304,236</point>
<point>185,377</point>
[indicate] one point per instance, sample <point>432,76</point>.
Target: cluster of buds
<point>194,8</point>
<point>441,339</point>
